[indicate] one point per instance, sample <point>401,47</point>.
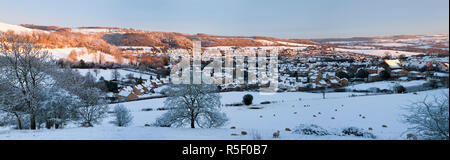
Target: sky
<point>275,18</point>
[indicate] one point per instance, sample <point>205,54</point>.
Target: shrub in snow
<point>237,104</point>
<point>399,89</point>
<point>429,117</point>
<point>311,129</point>
<point>162,109</point>
<point>342,74</point>
<point>362,73</point>
<point>147,109</point>
<point>266,102</point>
<point>247,99</point>
<point>359,132</point>
<point>385,75</point>
<point>192,105</point>
<point>122,115</point>
<point>340,90</point>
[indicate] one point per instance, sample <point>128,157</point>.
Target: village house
<point>416,75</point>
<point>399,73</point>
<point>441,77</point>
<point>373,77</point>
<point>391,64</point>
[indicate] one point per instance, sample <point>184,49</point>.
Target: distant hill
<point>343,39</point>
<point>181,40</point>
<point>39,27</point>
<point>133,37</point>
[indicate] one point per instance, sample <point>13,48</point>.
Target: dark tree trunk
<point>48,125</point>
<point>19,121</point>
<point>33,122</point>
<point>192,123</point>
<point>192,119</point>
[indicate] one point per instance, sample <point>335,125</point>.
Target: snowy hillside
<point>63,53</point>
<point>18,29</point>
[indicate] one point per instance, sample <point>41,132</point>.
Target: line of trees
<point>67,38</point>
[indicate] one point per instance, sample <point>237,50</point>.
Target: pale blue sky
<point>278,18</point>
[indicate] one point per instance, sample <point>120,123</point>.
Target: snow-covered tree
<point>24,68</point>
<point>58,108</point>
<point>35,91</point>
<point>430,118</point>
<point>92,107</point>
<point>122,115</point>
<point>192,105</point>
<point>10,105</point>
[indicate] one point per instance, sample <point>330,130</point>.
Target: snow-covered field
<point>16,28</point>
<point>393,44</point>
<point>388,85</point>
<point>63,53</point>
<point>377,52</point>
<point>378,110</point>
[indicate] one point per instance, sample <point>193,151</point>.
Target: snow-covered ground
<point>377,52</point>
<point>378,110</point>
<point>63,53</point>
<point>16,28</point>
<point>388,85</point>
<point>392,44</point>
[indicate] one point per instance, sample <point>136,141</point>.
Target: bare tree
<point>10,104</point>
<point>92,107</point>
<point>429,117</point>
<point>115,75</point>
<point>24,69</point>
<point>191,105</point>
<point>96,71</point>
<point>122,115</point>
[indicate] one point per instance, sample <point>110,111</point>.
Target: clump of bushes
<point>400,89</point>
<point>315,130</point>
<point>255,107</point>
<point>247,99</point>
<point>359,132</point>
<point>162,109</point>
<point>311,129</point>
<point>266,102</point>
<point>147,109</point>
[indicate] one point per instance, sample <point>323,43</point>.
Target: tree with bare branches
<point>24,69</point>
<point>192,105</point>
<point>429,117</point>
